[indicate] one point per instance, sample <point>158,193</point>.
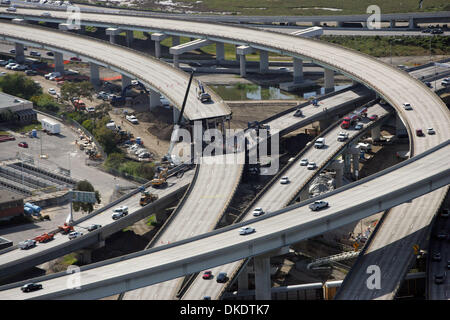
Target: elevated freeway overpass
<point>392,84</point>
<point>412,178</point>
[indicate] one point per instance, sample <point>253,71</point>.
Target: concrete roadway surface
<point>279,196</point>
<point>214,187</point>
<point>146,269</point>
<point>170,81</point>
<point>104,218</point>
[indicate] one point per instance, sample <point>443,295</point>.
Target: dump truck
<point>65,229</point>
<point>44,237</point>
<point>147,197</point>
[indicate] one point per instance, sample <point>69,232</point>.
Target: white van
<point>319,143</point>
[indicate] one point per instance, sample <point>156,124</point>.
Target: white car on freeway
<point>284,180</point>
<point>304,162</point>
<point>119,212</point>
<point>431,131</point>
<point>317,205</point>
<point>257,212</point>
<point>75,234</point>
<point>26,244</point>
<point>342,136</point>
<point>311,166</point>
<point>246,230</point>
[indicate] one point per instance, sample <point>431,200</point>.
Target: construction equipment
<point>147,197</point>
<point>44,237</point>
<point>160,178</point>
<point>65,229</point>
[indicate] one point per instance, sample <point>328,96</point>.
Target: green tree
<point>20,86</point>
<point>76,89</point>
<point>88,124</point>
<point>85,185</point>
<point>107,138</point>
<point>45,102</point>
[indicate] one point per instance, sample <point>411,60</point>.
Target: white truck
<point>132,119</point>
<point>50,126</point>
<point>119,212</point>
<point>319,143</point>
<point>342,136</point>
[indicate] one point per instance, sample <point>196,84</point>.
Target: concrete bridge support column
<point>158,37</point>
<point>392,24</point>
<point>126,81</point>
<point>175,40</point>
<point>346,157</point>
<point>338,166</point>
<point>59,62</point>
<point>412,24</point>
<point>112,33</point>
<point>220,52</point>
<point>339,24</point>
<point>263,61</point>
<point>262,278</point>
<point>154,99</point>
<point>95,74</point>
<point>242,65</point>
<point>129,37</point>
<point>355,165</point>
<point>304,193</point>
<point>243,280</point>
<point>176,60</point>
<point>176,114</point>
<point>82,30</point>
<point>400,129</point>
<point>375,132</point>
<point>20,56</point>
<point>298,70</point>
<point>328,80</point>
<point>316,23</point>
<point>237,54</point>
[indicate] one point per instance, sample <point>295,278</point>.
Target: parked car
<point>246,230</point>
<point>304,162</point>
<point>50,54</point>
<point>3,63</point>
<point>419,133</point>
<point>11,9</point>
<point>428,84</point>
<point>431,131</point>
<point>222,277</point>
<point>93,227</point>
<point>31,287</point>
<point>75,59</point>
<point>284,180</point>
<point>27,244</point>
<point>9,66</point>
<point>144,155</point>
<point>207,275</point>
<point>120,212</point>
<point>317,205</point>
<point>373,117</point>
<point>52,91</point>
<point>75,234</point>
<point>132,119</point>
<point>23,144</point>
<point>30,72</point>
<point>257,212</point>
<point>311,166</point>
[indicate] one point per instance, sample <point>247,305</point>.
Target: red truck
<point>79,104</point>
<point>65,229</point>
<point>349,120</point>
<point>44,237</point>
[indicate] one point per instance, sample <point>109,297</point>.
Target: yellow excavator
<point>147,197</point>
<point>160,180</point>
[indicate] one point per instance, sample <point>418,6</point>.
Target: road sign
<point>83,196</point>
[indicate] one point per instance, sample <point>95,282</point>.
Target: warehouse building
<point>16,110</point>
<point>11,204</point>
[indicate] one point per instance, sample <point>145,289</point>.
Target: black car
<point>50,54</point>
<point>428,84</point>
<point>222,277</point>
<point>439,278</point>
<point>298,113</point>
<point>31,287</point>
<point>93,227</point>
<point>30,72</point>
<point>436,256</point>
<point>437,31</point>
<point>426,31</point>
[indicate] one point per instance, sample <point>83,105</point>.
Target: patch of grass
<point>401,46</point>
<point>151,220</point>
<point>69,259</point>
<point>28,127</point>
<point>4,133</point>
